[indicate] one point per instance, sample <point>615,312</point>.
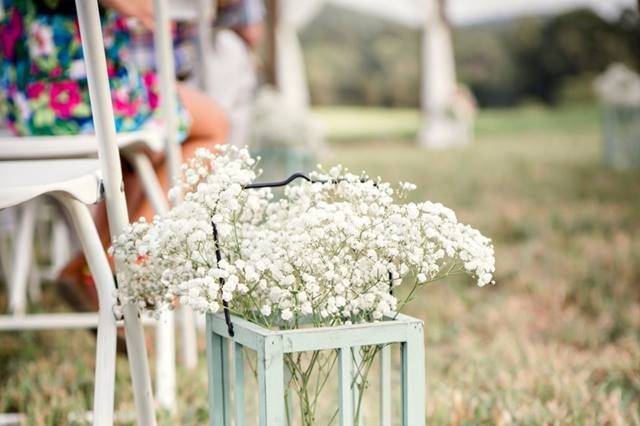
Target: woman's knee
<point>208,119</point>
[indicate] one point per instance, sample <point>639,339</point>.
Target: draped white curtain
<point>290,70</point>
<point>438,79</point>
<point>410,13</point>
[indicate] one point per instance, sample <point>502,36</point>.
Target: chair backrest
<point>102,108</point>
<point>167,81</point>
<point>109,157</point>
<point>102,111</point>
<point>200,12</point>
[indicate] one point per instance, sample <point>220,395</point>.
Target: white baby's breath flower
<point>286,314</point>
<point>265,310</point>
<point>330,250</point>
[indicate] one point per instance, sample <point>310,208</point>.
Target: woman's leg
<point>209,127</point>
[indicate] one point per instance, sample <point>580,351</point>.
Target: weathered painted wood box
<point>271,347</point>
<point>621,137</point>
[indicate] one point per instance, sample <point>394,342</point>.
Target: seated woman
<point>43,91</point>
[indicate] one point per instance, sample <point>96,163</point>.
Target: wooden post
<point>271,381</point>
<point>346,380</point>
<point>238,360</point>
<point>357,383</point>
<point>413,392</point>
<point>385,385</point>
<point>217,354</point>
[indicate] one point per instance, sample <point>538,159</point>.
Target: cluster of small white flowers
<point>330,251</point>
<point>174,256</point>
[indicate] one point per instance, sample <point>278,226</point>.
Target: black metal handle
<point>297,175</point>
<point>225,304</point>
<point>278,183</point>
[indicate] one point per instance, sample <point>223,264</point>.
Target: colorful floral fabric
<point>43,86</point>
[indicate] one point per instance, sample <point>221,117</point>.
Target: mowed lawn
<point>555,341</point>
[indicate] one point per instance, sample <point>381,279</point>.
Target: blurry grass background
<point>556,341</point>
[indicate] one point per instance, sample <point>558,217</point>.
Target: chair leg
<point>7,225</point>
<point>104,387</point>
<point>34,284</point>
<point>165,329</point>
<point>5,256</point>
<point>22,259</point>
<point>106,348</point>
<point>101,107</point>
<point>7,237</point>
<point>189,338</point>
<point>60,244</point>
<point>166,361</point>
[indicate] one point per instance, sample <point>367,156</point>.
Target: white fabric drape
<point>410,13</point>
<point>290,70</point>
<point>438,79</point>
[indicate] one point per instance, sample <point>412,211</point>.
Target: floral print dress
<point>43,85</point>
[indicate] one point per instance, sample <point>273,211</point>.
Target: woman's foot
<point>76,286</point>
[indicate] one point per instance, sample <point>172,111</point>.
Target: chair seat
<point>21,181</point>
<point>74,146</point>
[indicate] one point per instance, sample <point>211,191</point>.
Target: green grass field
<point>349,124</point>
<point>555,341</point>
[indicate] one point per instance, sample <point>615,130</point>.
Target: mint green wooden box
<point>272,345</point>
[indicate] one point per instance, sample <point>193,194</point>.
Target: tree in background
<point>359,59</point>
<point>355,59</point>
<point>567,46</point>
<point>548,59</point>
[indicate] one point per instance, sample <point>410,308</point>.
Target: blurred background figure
<point>225,67</point>
<point>233,80</point>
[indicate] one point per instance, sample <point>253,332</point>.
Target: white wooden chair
<point>133,145</point>
<point>75,183</point>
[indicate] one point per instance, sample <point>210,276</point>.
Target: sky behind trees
<point>471,11</point>
<point>463,12</point>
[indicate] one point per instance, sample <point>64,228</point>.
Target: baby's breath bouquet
<point>330,251</point>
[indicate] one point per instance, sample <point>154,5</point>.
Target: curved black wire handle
<point>260,185</point>
<point>225,304</point>
<point>285,182</point>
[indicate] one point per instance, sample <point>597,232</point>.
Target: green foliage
<point>401,125</point>
<point>569,45</point>
<point>355,59</point>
